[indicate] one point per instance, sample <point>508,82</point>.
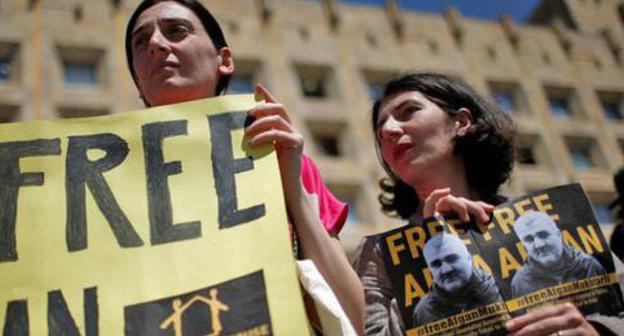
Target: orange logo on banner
<point>214,304</point>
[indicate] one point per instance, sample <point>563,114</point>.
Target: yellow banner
<point>154,222</point>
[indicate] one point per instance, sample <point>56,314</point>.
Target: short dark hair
<point>205,17</point>
<point>487,148</point>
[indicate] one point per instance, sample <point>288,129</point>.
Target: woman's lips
<point>164,66</point>
<point>400,149</point>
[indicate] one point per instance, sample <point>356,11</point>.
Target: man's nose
<point>539,243</point>
<point>445,268</point>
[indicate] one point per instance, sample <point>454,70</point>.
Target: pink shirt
<point>333,213</point>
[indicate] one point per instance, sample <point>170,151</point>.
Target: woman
<point>445,150</point>
<point>176,52</point>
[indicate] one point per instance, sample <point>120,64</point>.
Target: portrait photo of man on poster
<point>458,286</point>
<point>550,261</point>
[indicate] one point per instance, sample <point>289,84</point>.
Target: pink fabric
<point>333,212</point>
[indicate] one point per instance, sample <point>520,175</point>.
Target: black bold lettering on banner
<point>162,229</point>
<point>16,319</point>
<point>225,167</point>
<point>82,172</point>
<point>11,179</point>
<point>60,320</point>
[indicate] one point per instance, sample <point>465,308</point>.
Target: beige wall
<point>296,37</point>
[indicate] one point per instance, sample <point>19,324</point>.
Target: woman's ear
<point>226,62</point>
<point>463,121</point>
<point>141,95</point>
<point>145,102</point>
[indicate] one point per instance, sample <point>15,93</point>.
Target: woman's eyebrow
<point>138,30</point>
<point>396,108</point>
<point>405,103</point>
<point>184,21</point>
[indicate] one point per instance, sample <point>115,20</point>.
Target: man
<point>458,286</point>
<point>550,261</point>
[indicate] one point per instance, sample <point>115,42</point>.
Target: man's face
<point>449,262</point>
<point>542,241</point>
<point>173,57</point>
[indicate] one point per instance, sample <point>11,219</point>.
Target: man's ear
<point>226,62</point>
<point>463,121</point>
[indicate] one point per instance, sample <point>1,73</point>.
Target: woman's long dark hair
<point>208,21</point>
<point>486,149</point>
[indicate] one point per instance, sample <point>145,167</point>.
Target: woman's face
<point>415,136</point>
<point>173,57</point>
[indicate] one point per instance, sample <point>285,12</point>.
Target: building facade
<point>561,77</point>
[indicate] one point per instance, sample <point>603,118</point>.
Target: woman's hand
<point>442,201</point>
<point>561,320</point>
<point>270,124</point>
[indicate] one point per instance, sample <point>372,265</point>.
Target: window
<point>491,53</point>
<point>375,82</point>
<point>352,215</point>
<point>233,27</point>
<point>433,46</point>
<point>611,105</point>
<point>505,100</point>
<point>314,87</point>
<point>603,213</point>
<point>315,81</point>
<point>581,158</point>
<point>350,194</point>
<point>597,63</point>
<point>371,40</point>
<point>585,153</point>
<point>79,74</point>
<point>612,42</point>
<point>241,83</point>
<point>78,12</point>
<point>329,137</point>
<point>81,66</point>
<point>526,155</point>
<point>611,111</point>
<point>329,144</point>
<point>5,68</point>
<point>245,77</point>
<point>8,63</point>
<point>530,150</point>
<point>560,102</point>
<point>600,202</point>
<point>9,113</point>
<point>559,107</point>
<point>507,96</point>
<point>304,33</point>
<point>375,90</point>
<point>546,58</point>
